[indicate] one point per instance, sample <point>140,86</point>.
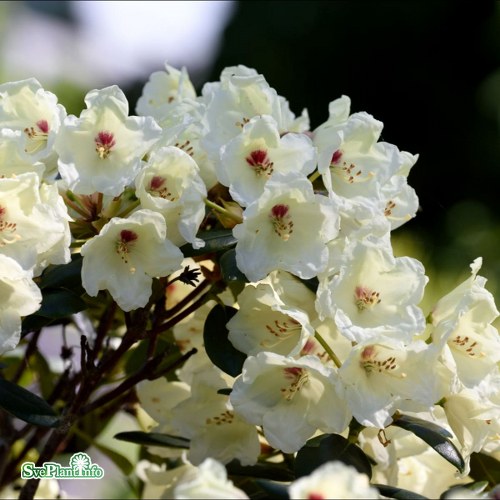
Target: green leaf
<point>60,304</point>
<point>398,493</point>
<point>27,406</point>
<point>474,488</point>
<point>46,378</point>
<point>64,275</point>
<point>153,439</point>
<point>275,472</point>
<point>215,241</point>
<point>229,269</point>
<point>273,490</point>
<point>218,347</point>
<point>434,435</point>
<point>326,448</point>
<point>484,468</point>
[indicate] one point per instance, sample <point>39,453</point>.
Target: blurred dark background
<point>430,71</point>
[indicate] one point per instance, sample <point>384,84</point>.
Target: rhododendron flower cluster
<point>230,273</point>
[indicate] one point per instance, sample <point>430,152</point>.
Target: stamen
<point>297,378</point>
<point>38,135</point>
<point>243,122</point>
<point>370,364</point>
<point>467,346</point>
<point>7,230</point>
<point>260,163</point>
<point>105,141</point>
<point>186,147</point>
<point>345,170</point>
<point>282,221</point>
<point>365,297</point>
<point>389,207</point>
<point>225,417</point>
<point>157,187</point>
<point>125,244</point>
<point>281,330</point>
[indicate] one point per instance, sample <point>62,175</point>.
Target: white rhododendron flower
<point>184,127</point>
<point>250,159</point>
<point>287,228</point>
<point>265,323</point>
<point>380,378</point>
<point>350,158</point>
<point>212,426</point>
<point>102,149</point>
<point>372,293</point>
<point>11,160</point>
<point>170,184</point>
<point>34,223</point>
<point>355,166</point>
<point>26,107</point>
<point>333,480</point>
<point>162,90</point>
<point>290,398</point>
<point>462,323</point>
<point>399,200</point>
<point>125,257</point>
<point>208,480</point>
<point>240,95</point>
<point>474,415</point>
<point>20,296</point>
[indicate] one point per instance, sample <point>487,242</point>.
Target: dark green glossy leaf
<point>474,488</point>
<point>329,447</point>
<point>27,406</point>
<point>273,490</point>
<point>218,347</point>
<point>46,378</point>
<point>484,468</point>
<point>36,322</point>
<point>275,472</point>
<point>215,241</point>
<point>409,423</point>
<point>398,493</point>
<point>153,439</point>
<point>435,436</point>
<point>60,304</point>
<point>229,269</point>
<point>64,275</point>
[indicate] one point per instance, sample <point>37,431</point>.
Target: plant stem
<point>222,210</point>
<point>328,349</point>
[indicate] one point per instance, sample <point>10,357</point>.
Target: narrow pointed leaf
<point>217,345</point>
<point>215,241</point>
<point>398,493</point>
<point>60,303</point>
<point>153,439</point>
<point>326,448</point>
<point>27,406</point>
<point>435,436</point>
<point>484,468</point>
<point>229,269</point>
<point>64,275</point>
<point>275,472</point>
<point>273,490</point>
